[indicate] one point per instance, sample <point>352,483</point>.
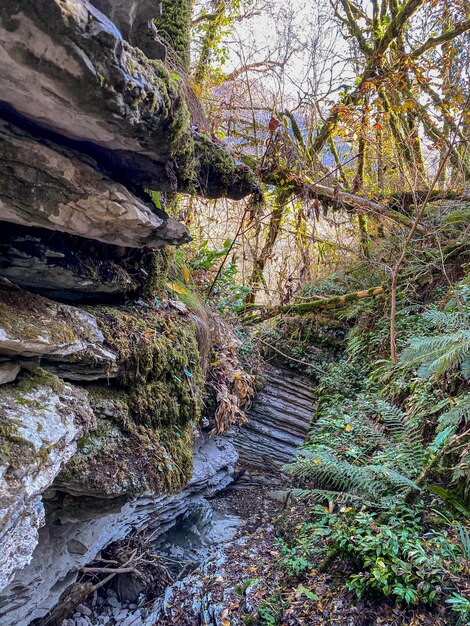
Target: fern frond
<point>440,354</point>
<point>397,479</point>
<point>460,412</point>
<point>319,495</point>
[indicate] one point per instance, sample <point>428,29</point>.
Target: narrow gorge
<point>234,313</point>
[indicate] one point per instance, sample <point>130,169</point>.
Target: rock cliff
<point>279,418</point>
<point>101,379</point>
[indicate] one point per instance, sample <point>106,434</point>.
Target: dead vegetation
<point>234,387</point>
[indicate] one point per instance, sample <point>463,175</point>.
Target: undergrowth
<point>385,470</point>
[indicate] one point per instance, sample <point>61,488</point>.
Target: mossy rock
<point>147,417</point>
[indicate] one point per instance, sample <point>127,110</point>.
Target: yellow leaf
<point>348,428</point>
<point>176,287</point>
<point>186,273</point>
<point>226,622</point>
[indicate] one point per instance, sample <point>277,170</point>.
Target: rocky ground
<point>224,520</point>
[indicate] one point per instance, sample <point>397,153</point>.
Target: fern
<point>439,354</point>
<point>378,475</point>
<point>459,413</point>
<point>364,448</point>
<point>448,349</point>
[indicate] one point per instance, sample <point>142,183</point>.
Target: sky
<point>300,30</point>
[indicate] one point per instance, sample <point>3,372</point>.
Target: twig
<point>211,289</point>
<point>291,358</point>
<point>398,264</point>
<point>108,570</point>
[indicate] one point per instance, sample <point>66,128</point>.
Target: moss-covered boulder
<point>153,407</point>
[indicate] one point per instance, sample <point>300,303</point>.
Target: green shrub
<point>396,556</point>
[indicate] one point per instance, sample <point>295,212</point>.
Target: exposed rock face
<point>44,185</point>
<point>36,331</point>
<point>65,68</point>
<point>100,401</point>
<point>65,547</point>
<point>279,418</point>
<point>135,18</point>
<point>33,259</point>
<point>41,421</point>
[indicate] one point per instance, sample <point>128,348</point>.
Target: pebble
<point>133,620</point>
<point>84,610</point>
<point>113,601</point>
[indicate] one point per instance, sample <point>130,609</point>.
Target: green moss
<point>214,157</point>
<point>122,458</point>
<point>38,378</point>
<point>156,271</point>
<point>15,450</point>
<point>27,316</point>
<point>144,439</point>
<point>218,172</point>
<point>174,27</point>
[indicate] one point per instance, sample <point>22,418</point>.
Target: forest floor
<point>244,582</point>
<point>240,579</point>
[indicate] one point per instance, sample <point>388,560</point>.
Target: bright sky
<point>300,30</point>
<point>305,26</point>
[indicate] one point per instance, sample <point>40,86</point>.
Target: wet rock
<point>129,588</point>
<point>133,620</point>
<point>84,610</point>
<point>31,259</point>
<point>8,372</point>
<point>135,21</point>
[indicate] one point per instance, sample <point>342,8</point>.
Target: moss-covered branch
<point>312,306</point>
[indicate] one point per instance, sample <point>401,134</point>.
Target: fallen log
<point>312,306</point>
<point>363,205</point>
<point>343,199</point>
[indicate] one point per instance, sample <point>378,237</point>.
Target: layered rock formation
<point>80,532</point>
<point>68,76</point>
<point>101,380</point>
<point>279,418</point>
